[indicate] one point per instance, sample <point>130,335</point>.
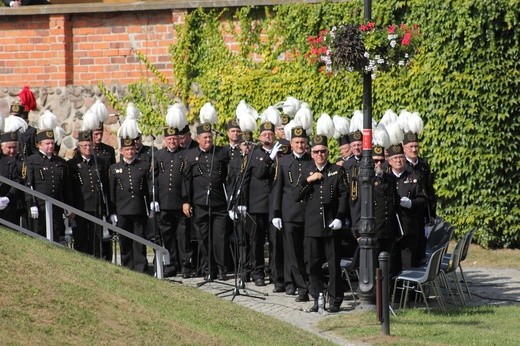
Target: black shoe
<point>169,272</point>
<point>314,308</point>
<point>260,282</point>
<point>278,289</point>
<point>221,275</point>
<point>291,291</point>
<point>333,309</point>
<point>209,277</point>
<point>302,298</point>
<point>187,275</point>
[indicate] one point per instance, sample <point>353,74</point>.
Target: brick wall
<point>84,48</point>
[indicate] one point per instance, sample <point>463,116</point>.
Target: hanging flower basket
<point>365,48</point>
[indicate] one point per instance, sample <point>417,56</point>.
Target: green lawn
<point>55,296</point>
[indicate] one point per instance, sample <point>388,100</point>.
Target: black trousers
<point>407,252</point>
<point>210,225</point>
<point>10,214</point>
<point>40,224</point>
<point>295,273</point>
<point>88,238</point>
<point>176,239</point>
<point>257,245</point>
<point>276,256</point>
<point>319,250</point>
<point>132,252</point>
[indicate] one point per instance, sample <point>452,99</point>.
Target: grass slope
<point>50,295</point>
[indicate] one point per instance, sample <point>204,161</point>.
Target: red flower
<point>371,25</point>
<point>391,29</point>
<point>406,39</point>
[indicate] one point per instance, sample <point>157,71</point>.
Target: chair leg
<point>459,288</point>
<point>465,282</point>
<point>438,293</point>
<point>421,290</point>
<point>447,285</point>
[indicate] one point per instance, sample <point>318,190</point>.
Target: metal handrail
<point>162,255</point>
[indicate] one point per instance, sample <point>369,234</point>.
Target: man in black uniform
<point>49,174</point>
<point>27,137</point>
<point>262,176</point>
<point>386,207</point>
<point>419,166</point>
<point>204,200</point>
<point>185,140</point>
<point>169,163</point>
<point>289,216</point>
<point>9,168</point>
<point>101,149</point>
<point>325,193</point>
<point>412,200</point>
<point>344,149</point>
<point>129,192</point>
<point>233,135</point>
<point>90,184</point>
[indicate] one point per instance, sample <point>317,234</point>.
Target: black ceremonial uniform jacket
<point>86,183</point>
<point>288,175</point>
<point>169,171</point>
<point>50,177</point>
<point>422,169</point>
<point>129,185</point>
<point>325,199</point>
<point>238,179</point>
<point>9,168</point>
<point>198,178</point>
<point>351,166</point>
<point>106,152</point>
<point>232,151</point>
<point>410,185</point>
<point>262,177</point>
<point>386,206</point>
<point>27,141</point>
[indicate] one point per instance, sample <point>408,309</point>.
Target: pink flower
<point>391,29</point>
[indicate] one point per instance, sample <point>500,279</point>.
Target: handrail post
<point>159,272</point>
<point>48,220</point>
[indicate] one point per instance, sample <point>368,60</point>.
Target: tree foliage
<point>464,82</point>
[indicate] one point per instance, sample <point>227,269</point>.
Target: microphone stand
<point>239,252</point>
<point>105,202</point>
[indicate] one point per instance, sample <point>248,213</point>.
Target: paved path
<point>488,287</point>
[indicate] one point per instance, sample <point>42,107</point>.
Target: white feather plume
<point>395,133</point>
<point>176,116</point>
<point>48,121</point>
<point>325,126</point>
<point>208,114</point>
<point>100,110</point>
<point>380,136</point>
<point>2,121</point>
<point>415,122</point>
<point>356,122</point>
<point>291,105</point>
<point>304,117</point>
<point>247,122</point>
<point>132,112</point>
<point>14,123</point>
<point>90,121</point>
<point>244,109</point>
<point>59,134</point>
<point>129,128</point>
<point>388,117</point>
<point>341,126</point>
<point>288,127</point>
<point>271,115</point>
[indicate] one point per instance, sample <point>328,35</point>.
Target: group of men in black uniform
<point>285,193</point>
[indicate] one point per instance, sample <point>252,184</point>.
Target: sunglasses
<point>379,160</point>
<point>322,151</point>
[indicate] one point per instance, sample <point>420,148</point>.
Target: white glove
<point>113,219</point>
<point>4,201</point>
<point>232,215</point>
<point>154,206</point>
<point>34,212</point>
<point>277,222</point>
<point>242,209</point>
<point>275,150</point>
<point>335,225</point>
<point>406,202</point>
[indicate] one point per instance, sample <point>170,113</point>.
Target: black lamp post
<point>366,289</point>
